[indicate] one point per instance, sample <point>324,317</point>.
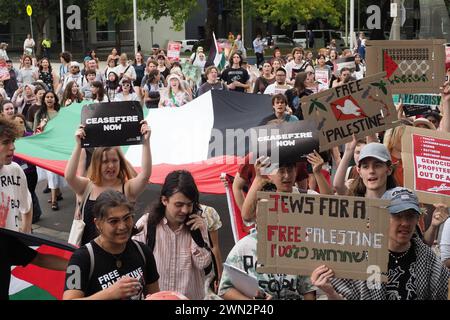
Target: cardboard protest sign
<point>173,51</point>
<point>360,107</point>
<point>191,72</point>
<point>421,99</point>
<point>323,77</point>
<point>299,232</point>
<point>412,66</point>
<point>286,142</point>
<point>447,56</point>
<point>112,124</point>
<point>426,164</point>
<point>346,62</point>
<point>417,104</point>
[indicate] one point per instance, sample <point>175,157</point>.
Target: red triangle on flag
<point>389,65</point>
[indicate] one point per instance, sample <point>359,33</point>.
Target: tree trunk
<point>117,33</point>
<point>211,21</point>
<point>39,24</point>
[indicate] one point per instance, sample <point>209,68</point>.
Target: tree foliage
<point>42,9</point>
<point>121,11</point>
<point>286,12</point>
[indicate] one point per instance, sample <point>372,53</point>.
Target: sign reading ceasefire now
<point>299,232</point>
<point>360,107</point>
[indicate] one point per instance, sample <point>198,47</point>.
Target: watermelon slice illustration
<point>389,65</point>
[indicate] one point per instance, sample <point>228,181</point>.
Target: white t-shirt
<point>275,88</point>
<point>128,70</point>
<point>293,68</point>
<point>15,198</point>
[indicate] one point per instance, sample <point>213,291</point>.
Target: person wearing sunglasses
<point>126,92</point>
<point>112,266</point>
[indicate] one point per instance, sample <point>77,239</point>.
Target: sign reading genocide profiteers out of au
<point>360,107</point>
<point>426,164</point>
<point>299,232</point>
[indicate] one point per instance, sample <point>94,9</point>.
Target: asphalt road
<point>56,224</point>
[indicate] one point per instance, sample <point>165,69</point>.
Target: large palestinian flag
<point>35,283</point>
<point>207,136</point>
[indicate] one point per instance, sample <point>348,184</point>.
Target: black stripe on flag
<point>234,114</point>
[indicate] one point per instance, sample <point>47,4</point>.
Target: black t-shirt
<point>294,101</point>
<point>106,272</point>
<point>12,253</point>
<point>229,75</point>
<point>401,283</point>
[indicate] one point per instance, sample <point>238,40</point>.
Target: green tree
<point>285,12</point>
<point>122,11</point>
<point>42,9</point>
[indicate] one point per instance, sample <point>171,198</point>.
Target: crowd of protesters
<point>175,246</point>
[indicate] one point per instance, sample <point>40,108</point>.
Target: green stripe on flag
<point>58,139</point>
<point>32,293</point>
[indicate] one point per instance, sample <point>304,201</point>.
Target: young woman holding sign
<point>108,170</point>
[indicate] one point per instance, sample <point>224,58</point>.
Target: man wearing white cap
<point>414,270</point>
<point>74,74</point>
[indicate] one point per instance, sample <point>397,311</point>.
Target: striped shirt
<point>179,260</point>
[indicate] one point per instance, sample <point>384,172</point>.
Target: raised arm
<point>339,177</point>
<point>136,185</point>
<point>77,184</point>
<point>317,162</point>
<point>248,211</point>
<point>238,190</point>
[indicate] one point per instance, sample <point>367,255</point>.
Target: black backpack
<point>196,236</point>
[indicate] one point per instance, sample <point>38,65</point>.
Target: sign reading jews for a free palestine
<point>360,107</point>
<point>426,164</point>
<point>299,232</point>
<point>112,124</point>
<point>412,66</point>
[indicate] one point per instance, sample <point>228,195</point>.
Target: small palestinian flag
<point>32,282</point>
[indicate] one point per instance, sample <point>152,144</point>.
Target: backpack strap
<point>140,251</point>
<point>92,260</point>
<point>151,236</point>
<point>84,198</point>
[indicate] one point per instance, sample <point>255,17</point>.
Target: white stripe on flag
<point>17,285</point>
<point>179,135</point>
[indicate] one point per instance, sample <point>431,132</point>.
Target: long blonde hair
<point>126,171</point>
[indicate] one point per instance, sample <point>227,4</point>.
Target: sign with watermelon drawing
<point>360,107</point>
<point>411,66</point>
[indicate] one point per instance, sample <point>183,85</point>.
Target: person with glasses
<point>280,85</point>
<point>108,169</point>
<point>112,266</point>
<point>74,74</point>
<point>126,92</point>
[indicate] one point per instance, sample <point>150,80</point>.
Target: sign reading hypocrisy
<point>426,164</point>
<point>412,66</point>
<point>299,232</point>
<point>112,124</point>
<point>360,107</point>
